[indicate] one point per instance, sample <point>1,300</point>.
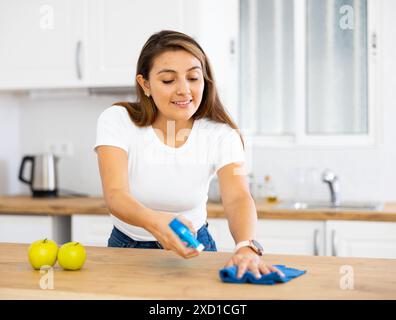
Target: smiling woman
<point>158,155</point>
<point>156,69</point>
<point>177,91</point>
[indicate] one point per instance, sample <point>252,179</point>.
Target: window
<point>305,69</point>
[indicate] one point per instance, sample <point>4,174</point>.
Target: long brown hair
<point>143,112</point>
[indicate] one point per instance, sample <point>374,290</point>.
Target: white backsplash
<point>43,120</point>
<point>9,143</point>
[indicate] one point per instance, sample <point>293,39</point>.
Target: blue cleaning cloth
<point>230,275</point>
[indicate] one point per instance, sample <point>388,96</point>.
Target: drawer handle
<point>333,244</point>
<point>78,60</point>
<point>316,242</point>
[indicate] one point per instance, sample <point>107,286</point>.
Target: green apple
<point>71,256</point>
<point>43,252</point>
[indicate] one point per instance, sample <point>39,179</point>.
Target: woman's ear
<point>144,84</point>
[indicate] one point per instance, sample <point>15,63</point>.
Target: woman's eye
<point>170,81</point>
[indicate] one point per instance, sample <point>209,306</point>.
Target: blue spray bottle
<point>185,234</point>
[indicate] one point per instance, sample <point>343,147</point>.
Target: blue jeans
<point>120,240</point>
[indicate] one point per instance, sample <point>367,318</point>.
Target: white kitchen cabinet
<point>277,236</point>
<point>216,28</point>
<point>91,230</point>
<point>96,43</point>
<point>292,236</point>
<point>361,239</point>
<point>28,228</point>
<point>39,43</point>
<point>117,31</point>
<point>76,44</point>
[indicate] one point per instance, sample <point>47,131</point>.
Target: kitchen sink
<point>346,206</point>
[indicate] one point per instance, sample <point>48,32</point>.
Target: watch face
<point>258,245</point>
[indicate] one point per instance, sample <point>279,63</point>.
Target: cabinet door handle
<point>316,242</point>
<point>78,59</point>
<point>374,44</point>
<point>333,243</point>
<point>374,41</point>
<point>232,46</point>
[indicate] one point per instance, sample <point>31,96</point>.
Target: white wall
<point>66,119</point>
<point>9,143</point>
<point>366,173</point>
<point>29,123</point>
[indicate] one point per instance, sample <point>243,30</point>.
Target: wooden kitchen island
<point>115,273</point>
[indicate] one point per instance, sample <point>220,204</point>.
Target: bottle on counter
<point>270,194</point>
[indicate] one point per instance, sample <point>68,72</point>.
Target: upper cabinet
<point>40,43</point>
<point>117,31</point>
<point>96,43</point>
<point>216,28</point>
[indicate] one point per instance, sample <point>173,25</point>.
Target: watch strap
<point>253,244</point>
<point>241,244</point>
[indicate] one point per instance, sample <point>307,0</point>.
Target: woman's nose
<point>183,88</point>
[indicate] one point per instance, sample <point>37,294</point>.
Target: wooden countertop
<point>52,206</point>
<point>96,205</point>
<point>115,273</point>
<point>267,211</point>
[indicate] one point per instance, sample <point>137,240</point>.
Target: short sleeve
<point>114,128</point>
<point>229,149</point>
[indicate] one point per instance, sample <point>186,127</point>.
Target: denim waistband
<point>120,239</point>
<point>122,236</point>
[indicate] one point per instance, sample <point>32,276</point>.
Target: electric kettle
<point>43,174</point>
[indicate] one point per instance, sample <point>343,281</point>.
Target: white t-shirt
<point>165,178</point>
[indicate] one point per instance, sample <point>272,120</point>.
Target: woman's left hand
<point>247,260</point>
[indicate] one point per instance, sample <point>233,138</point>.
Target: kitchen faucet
<point>330,177</point>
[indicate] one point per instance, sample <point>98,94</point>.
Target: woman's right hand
<point>159,228</point>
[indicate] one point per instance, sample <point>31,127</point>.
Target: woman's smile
<point>183,103</point>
